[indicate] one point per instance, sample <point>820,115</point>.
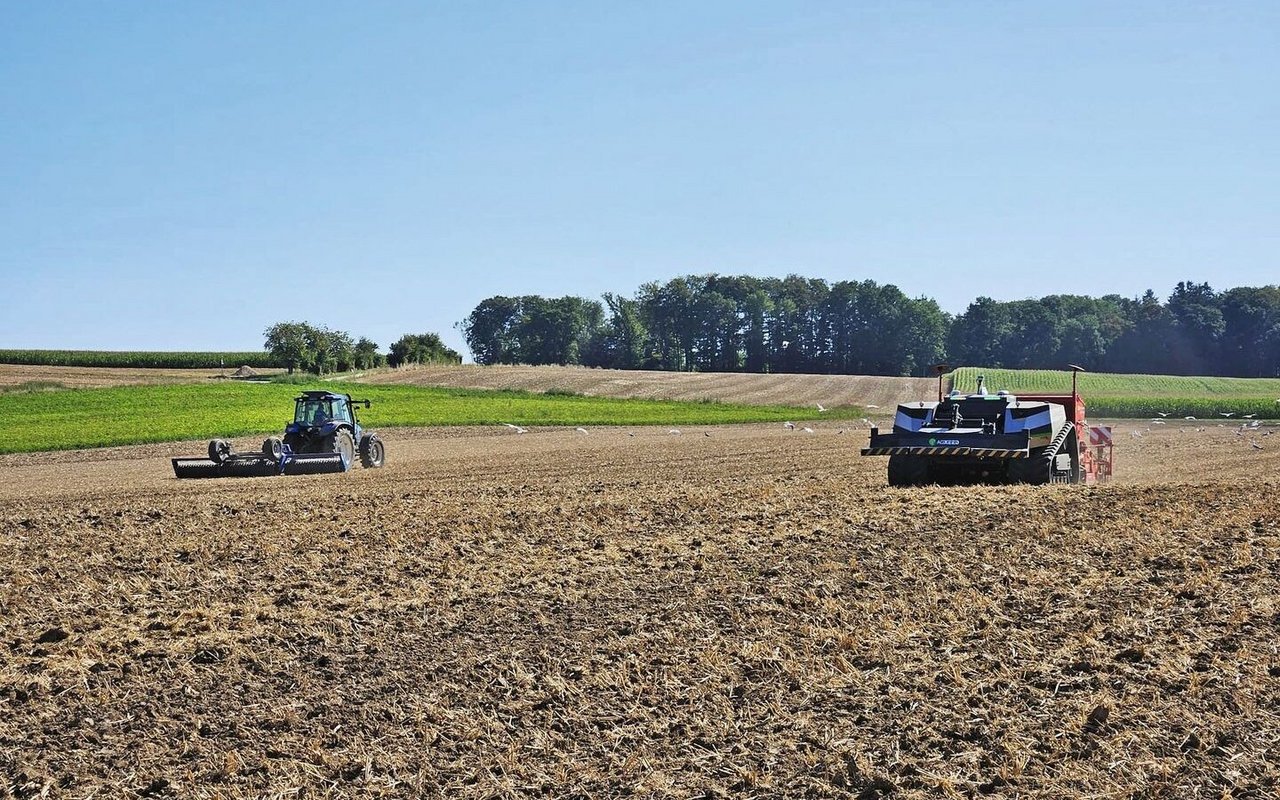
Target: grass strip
<point>80,418</point>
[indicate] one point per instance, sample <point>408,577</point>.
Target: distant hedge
<point>142,359</point>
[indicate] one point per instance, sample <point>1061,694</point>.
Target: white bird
<point>1157,422</point>
<point>1255,445</point>
<point>581,430</point>
<point>807,430</point>
<point>1190,418</point>
<point>873,405</point>
<point>1226,413</point>
<point>1250,416</point>
<point>515,428</point>
<point>1163,413</point>
<point>632,435</point>
<point>1136,434</point>
<point>866,422</point>
<point>674,432</point>
<point>791,426</point>
<point>707,434</point>
<point>821,408</point>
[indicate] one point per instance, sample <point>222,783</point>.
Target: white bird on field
<point>821,408</point>
<point>1193,419</point>
<point>873,405</point>
<point>1250,416</point>
<point>515,428</point>
<point>1226,413</point>
<point>807,430</point>
<point>707,434</point>
<point>674,432</point>
<point>866,422</point>
<point>1157,422</point>
<point>1163,413</point>
<point>791,426</point>
<point>1136,434</point>
<point>583,431</point>
<point>1255,445</point>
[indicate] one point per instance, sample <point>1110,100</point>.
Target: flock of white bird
<point>1253,427</point>
<point>791,426</point>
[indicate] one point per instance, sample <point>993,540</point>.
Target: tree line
<point>318,349</point>
<point>721,323</point>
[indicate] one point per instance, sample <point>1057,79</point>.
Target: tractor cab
<point>314,409</point>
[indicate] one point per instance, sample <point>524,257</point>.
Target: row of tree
<point>315,348</point>
<point>717,323</point>
<point>795,324</point>
<point>1196,332</point>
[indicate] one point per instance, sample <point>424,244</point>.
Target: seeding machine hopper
<point>325,436</point>
<point>994,438</point>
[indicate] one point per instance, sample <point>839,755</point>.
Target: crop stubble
<point>752,613</point>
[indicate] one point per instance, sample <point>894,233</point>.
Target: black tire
<point>341,442</point>
<point>294,442</point>
<point>273,448</point>
<point>372,452</point>
<point>1036,469</point>
<point>219,450</point>
<point>908,470</point>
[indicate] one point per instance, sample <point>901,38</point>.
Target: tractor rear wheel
<point>908,470</point>
<point>1035,469</point>
<point>340,441</point>
<point>372,452</point>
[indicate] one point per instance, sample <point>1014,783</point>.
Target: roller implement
<point>325,436</point>
<point>994,438</point>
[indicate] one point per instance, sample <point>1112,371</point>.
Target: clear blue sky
<point>180,176</point>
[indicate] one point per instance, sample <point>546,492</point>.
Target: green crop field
<point>1138,396</point>
<point>78,418</point>
<point>137,359</point>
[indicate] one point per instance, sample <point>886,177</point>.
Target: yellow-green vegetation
<point>142,358</point>
<point>63,420</point>
<point>1138,396</point>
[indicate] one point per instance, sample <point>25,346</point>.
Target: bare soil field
<point>794,390</point>
<point>749,613</point>
<point>103,377</point>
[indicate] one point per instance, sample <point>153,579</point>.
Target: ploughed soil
<point>734,387</point>
<point>797,390</point>
<point>749,613</point>
<point>19,375</point>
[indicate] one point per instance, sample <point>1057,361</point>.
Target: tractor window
<point>313,412</point>
<point>340,409</point>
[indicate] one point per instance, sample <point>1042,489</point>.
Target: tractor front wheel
<point>372,452</point>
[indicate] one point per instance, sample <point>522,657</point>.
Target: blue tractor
<point>324,436</point>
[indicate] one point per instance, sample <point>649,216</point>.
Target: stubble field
<point>750,613</point>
